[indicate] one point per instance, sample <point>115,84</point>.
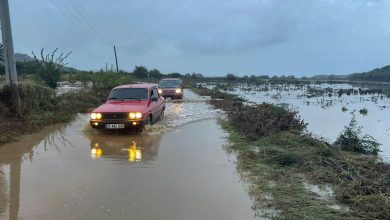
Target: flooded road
<point>177,169</point>
<point>324,114</point>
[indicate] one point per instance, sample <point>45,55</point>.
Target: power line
<point>83,14</point>
<point>73,16</point>
<point>71,21</point>
<point>80,20</point>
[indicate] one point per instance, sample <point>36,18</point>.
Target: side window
<point>155,92</point>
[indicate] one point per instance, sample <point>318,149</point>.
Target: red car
<point>129,106</point>
<point>171,87</point>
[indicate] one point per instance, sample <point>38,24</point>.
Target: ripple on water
<point>191,108</point>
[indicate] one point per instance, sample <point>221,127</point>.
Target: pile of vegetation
<point>39,107</point>
<point>265,119</point>
<point>281,162</point>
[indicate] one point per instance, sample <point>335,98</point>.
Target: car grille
<point>169,91</point>
<point>115,115</point>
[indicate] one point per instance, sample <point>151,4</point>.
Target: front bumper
<point>101,124</point>
<point>172,95</point>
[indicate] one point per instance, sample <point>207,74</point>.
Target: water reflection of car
<point>171,87</point>
<point>129,148</point>
<point>129,106</point>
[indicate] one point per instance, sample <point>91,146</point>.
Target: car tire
<point>162,114</point>
<point>149,121</point>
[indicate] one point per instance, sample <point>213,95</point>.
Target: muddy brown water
<point>65,172</point>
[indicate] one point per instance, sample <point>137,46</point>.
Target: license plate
<point>115,126</point>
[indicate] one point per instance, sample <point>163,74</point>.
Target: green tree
<point>231,77</point>
<point>155,73</point>
<point>140,72</point>
<point>51,66</point>
<point>252,78</point>
<point>28,67</point>
<point>174,75</point>
<point>197,76</point>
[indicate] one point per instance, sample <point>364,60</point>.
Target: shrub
<point>352,139</point>
<point>265,119</point>
<point>50,67</point>
<point>288,159</point>
<point>78,101</point>
<point>363,111</point>
<point>109,80</point>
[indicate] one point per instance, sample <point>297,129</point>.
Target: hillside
<point>21,57</point>
<point>378,74</point>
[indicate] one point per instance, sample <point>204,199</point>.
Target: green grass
<point>274,171</point>
<point>41,107</point>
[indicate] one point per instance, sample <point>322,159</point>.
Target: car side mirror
<point>154,99</point>
<point>103,100</point>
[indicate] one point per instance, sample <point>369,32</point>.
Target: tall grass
<point>39,107</point>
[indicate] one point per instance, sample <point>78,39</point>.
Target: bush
<point>50,67</point>
<point>33,98</point>
<point>353,140</point>
<point>287,159</point>
<point>109,80</point>
<point>78,101</point>
<point>363,111</point>
<point>265,119</point>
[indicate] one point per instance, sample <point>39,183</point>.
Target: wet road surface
<point>72,172</point>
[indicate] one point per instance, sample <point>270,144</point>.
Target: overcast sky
<point>213,37</point>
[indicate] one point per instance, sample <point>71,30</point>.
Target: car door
<point>154,105</point>
<point>160,102</point>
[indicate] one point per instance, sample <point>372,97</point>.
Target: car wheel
<point>149,121</point>
<point>162,114</point>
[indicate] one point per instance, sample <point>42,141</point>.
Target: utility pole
<point>9,56</point>
<point>116,60</point>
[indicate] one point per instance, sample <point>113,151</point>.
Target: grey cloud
<point>260,36</point>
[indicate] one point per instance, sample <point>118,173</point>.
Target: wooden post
<point>116,60</point>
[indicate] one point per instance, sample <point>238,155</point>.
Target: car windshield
<point>128,94</point>
<point>169,84</point>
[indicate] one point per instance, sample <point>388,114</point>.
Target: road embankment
<point>40,106</point>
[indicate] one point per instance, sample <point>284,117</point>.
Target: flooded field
<point>327,108</point>
<point>177,169</point>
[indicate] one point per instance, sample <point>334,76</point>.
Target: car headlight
<point>178,91</point>
<point>97,116</point>
<point>135,115</point>
<point>160,91</point>
<point>131,115</point>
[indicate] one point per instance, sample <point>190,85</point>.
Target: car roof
<point>170,79</point>
<point>141,86</point>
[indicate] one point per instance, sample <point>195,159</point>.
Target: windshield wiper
<point>115,98</point>
<point>138,99</point>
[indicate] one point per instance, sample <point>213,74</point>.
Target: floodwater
<point>177,169</point>
<point>324,114</point>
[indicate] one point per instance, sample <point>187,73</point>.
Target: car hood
<point>125,106</point>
